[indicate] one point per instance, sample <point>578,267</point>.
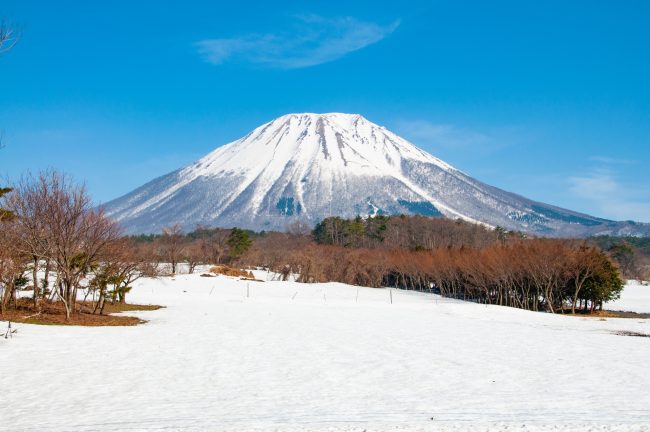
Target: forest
<point>449,257</point>
<point>59,248</point>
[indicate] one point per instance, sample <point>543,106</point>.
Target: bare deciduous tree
<point>120,265</point>
<point>171,245</point>
<point>13,265</point>
<point>77,234</point>
<point>28,203</point>
<point>8,37</point>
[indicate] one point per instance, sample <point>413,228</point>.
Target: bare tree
<point>214,247</point>
<point>8,37</point>
<point>77,234</point>
<point>172,245</point>
<point>13,265</point>
<point>120,266</point>
<point>5,214</point>
<point>28,203</point>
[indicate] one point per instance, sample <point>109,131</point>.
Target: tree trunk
<point>46,278</point>
<point>6,296</point>
<point>35,281</point>
<point>102,303</point>
<point>62,297</point>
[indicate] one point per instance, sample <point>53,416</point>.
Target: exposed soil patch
<point>609,314</point>
<point>624,314</point>
<point>54,314</point>
<point>621,314</point>
<point>250,279</point>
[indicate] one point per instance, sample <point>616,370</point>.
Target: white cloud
<point>313,41</point>
<point>594,186</point>
<point>422,132</point>
<point>612,161</point>
<point>614,199</point>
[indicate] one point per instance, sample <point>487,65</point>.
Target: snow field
<point>634,298</point>
<point>326,357</point>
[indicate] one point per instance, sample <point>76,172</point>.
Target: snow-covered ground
<point>634,298</point>
<point>328,357</point>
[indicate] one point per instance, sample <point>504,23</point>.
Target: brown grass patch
<point>229,271</point>
<point>54,314</point>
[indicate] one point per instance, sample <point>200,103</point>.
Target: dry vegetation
<point>230,271</point>
<point>452,258</point>
<point>53,313</point>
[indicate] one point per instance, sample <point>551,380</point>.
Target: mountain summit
<point>305,167</point>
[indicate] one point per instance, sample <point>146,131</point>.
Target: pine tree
<point>239,242</point>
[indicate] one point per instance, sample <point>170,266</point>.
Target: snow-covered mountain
<point>305,167</point>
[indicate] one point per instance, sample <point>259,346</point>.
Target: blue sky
<point>548,99</point>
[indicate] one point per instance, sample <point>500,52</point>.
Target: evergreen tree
<point>239,242</point>
<point>376,227</point>
<point>355,231</point>
<point>623,253</point>
<point>604,286</point>
<point>331,231</point>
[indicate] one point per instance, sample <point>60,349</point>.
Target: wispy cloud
<point>422,132</point>
<point>612,161</point>
<point>603,189</point>
<point>313,40</point>
<point>594,185</point>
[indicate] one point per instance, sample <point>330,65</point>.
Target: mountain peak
<point>330,115</point>
<point>342,120</point>
<point>332,142</point>
<point>307,166</point>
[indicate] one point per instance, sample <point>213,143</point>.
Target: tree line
<point>453,258</point>
<point>632,254</point>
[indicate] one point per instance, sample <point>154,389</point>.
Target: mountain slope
<point>304,167</point>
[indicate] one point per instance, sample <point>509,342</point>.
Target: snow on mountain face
<point>305,167</point>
